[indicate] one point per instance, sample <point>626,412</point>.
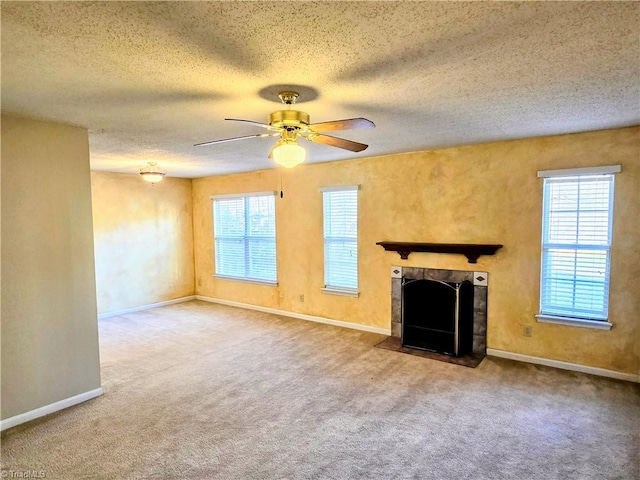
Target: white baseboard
<point>51,408</point>
<point>602,372</point>
<point>300,316</point>
<point>145,307</point>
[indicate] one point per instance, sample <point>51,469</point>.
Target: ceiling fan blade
<point>337,142</point>
<point>342,125</point>
<point>259,135</point>
<point>277,144</point>
<point>251,122</point>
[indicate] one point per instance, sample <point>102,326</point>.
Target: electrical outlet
<point>527,331</point>
<point>301,297</point>
<point>281,295</point>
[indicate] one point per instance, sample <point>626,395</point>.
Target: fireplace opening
<point>438,316</point>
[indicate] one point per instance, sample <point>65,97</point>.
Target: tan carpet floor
<point>204,391</point>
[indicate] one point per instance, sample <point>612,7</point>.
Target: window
<point>244,229</point>
<point>576,242</point>
<point>340,211</point>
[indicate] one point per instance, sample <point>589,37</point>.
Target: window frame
<point>333,289</point>
<point>575,318</point>
<point>245,197</point>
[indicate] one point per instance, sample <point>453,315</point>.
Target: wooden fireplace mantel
<point>470,250</point>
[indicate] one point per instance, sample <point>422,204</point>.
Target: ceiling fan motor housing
<point>288,118</point>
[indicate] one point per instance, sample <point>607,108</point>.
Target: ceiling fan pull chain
<point>281,192</point>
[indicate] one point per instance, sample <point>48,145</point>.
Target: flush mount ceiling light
<point>290,125</point>
<point>152,173</point>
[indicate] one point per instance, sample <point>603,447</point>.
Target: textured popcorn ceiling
<point>151,79</point>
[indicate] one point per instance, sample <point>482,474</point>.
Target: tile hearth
<point>395,344</point>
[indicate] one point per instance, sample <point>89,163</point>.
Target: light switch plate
<point>480,279</point>
<point>396,272</point>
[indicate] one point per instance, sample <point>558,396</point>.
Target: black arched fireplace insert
<point>437,316</point>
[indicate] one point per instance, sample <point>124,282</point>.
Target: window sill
<point>248,280</point>
<point>347,292</point>
<point>575,322</point>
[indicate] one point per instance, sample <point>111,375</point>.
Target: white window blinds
<point>245,237</point>
<point>576,243</point>
<point>340,207</point>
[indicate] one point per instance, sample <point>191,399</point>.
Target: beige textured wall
<point>49,325</point>
<point>476,194</point>
<point>143,240</point>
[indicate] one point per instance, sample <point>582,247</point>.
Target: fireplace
<point>439,322</point>
<point>437,316</point>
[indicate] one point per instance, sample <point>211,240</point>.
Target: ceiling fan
<point>290,125</point>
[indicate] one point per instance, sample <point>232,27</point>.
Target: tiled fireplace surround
<point>480,286</point>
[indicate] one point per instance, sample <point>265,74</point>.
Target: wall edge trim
<point>576,367</point>
<point>299,316</point>
<point>115,313</point>
<point>51,408</point>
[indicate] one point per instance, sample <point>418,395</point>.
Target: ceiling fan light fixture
<point>292,124</point>
<point>152,173</point>
<point>289,154</point>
